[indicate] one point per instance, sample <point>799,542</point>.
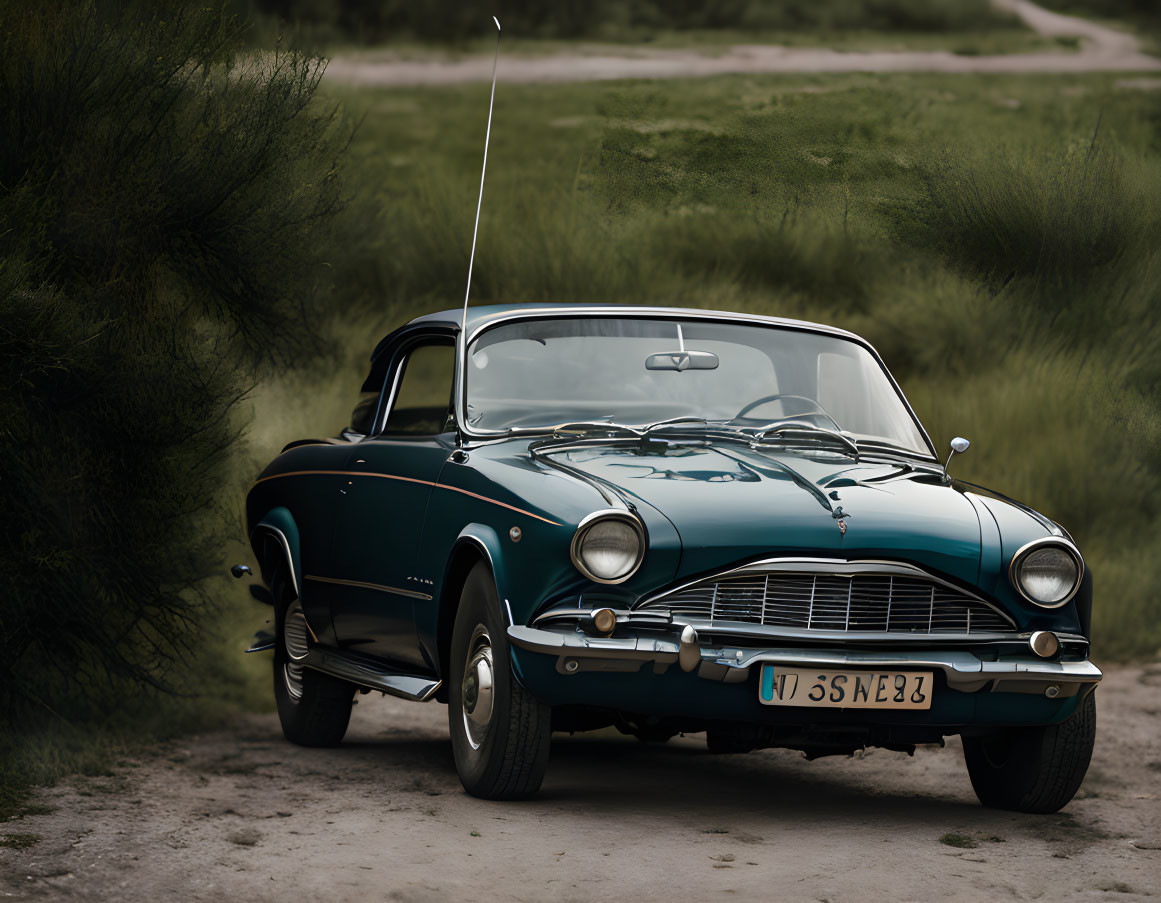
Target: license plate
<point>844,689</point>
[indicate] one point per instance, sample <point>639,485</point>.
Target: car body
<point>772,550</point>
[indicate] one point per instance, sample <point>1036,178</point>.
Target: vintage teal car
<point>565,517</point>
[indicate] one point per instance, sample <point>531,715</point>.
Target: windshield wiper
<point>673,422</point>
<point>883,447</point>
<point>799,427</point>
<point>590,426</point>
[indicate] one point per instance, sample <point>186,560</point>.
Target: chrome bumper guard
<point>963,670</point>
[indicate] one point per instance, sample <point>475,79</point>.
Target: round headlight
<point>1047,574</point>
<point>608,548</point>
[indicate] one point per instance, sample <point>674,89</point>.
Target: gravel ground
<point>1103,49</point>
<point>241,814</point>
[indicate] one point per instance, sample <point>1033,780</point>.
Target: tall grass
<point>1048,217</point>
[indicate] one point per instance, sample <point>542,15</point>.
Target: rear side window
<point>363,416</point>
<point>423,401</point>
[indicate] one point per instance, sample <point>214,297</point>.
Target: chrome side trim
<point>839,566</point>
<point>1035,544</point>
<point>359,584</point>
<point>286,548</point>
<point>337,664</point>
<point>390,476</point>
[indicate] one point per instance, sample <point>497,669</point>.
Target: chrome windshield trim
<point>482,324</point>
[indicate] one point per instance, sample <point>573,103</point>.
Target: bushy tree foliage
<point>160,200</point>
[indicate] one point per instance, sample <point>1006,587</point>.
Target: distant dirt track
<point>241,815</point>
<point>1103,49</point>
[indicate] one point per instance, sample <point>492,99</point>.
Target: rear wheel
<point>314,708</point>
<point>1033,769</point>
<point>500,732</point>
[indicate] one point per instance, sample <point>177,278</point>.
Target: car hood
<point>729,503</point>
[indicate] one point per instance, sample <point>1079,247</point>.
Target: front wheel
<point>1033,769</point>
<point>500,732</point>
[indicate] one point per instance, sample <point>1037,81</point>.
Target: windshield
<point>635,371</point>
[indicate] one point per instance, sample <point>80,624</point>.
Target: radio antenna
<point>483,172</point>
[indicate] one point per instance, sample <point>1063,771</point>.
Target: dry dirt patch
<point>240,814</point>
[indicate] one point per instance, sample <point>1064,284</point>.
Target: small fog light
<point>604,621</point>
<point>1044,643</point>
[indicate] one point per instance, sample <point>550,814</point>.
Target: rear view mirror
<point>682,360</point>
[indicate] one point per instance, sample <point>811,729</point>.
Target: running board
<point>370,675</point>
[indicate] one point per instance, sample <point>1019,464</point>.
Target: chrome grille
<point>905,602</point>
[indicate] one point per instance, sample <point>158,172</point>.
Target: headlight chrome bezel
<point>1028,548</point>
<point>597,517</point>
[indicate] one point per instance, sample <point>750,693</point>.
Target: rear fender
<point>275,539</point>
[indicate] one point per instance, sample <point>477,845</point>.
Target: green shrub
<point>159,214</point>
<point>1047,219</point>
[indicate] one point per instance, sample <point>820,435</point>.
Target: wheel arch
<point>275,541</point>
<point>476,543</point>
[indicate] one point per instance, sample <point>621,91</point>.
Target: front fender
<point>486,541</point>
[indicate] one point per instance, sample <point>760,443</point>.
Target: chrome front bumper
<point>964,670</point>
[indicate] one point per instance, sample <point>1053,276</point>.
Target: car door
<point>389,481</point>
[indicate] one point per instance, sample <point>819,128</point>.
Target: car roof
<point>481,315</point>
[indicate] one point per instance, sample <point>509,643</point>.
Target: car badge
<point>839,515</point>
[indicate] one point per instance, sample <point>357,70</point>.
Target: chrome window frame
<point>394,377</point>
<point>491,321</point>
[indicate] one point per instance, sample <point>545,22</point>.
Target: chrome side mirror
<point>958,446</point>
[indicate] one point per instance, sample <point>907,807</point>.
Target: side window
<point>363,416</point>
<point>423,400</point>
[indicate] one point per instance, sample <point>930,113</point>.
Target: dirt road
<point>1102,49</point>
<point>242,815</point>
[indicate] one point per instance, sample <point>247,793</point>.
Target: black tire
<point>506,756</point>
<point>1033,769</point>
<point>313,707</point>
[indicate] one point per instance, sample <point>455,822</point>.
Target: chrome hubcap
<point>294,632</point>
<point>476,692</point>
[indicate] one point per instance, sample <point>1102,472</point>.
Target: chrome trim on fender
<point>286,548</point>
<point>1023,551</point>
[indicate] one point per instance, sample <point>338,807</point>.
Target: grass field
<point>996,238</point>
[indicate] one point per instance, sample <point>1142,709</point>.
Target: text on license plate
<point>845,689</point>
